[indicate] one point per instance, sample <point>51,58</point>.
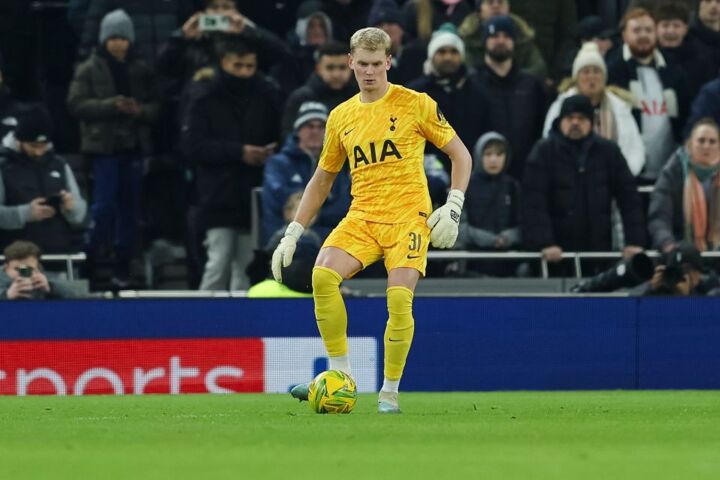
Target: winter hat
<point>481,145</point>
<point>446,36</point>
<point>34,125</point>
<point>685,255</point>
<point>495,25</point>
<point>384,11</point>
<point>116,24</point>
<point>577,104</point>
<point>588,55</point>
<point>310,111</point>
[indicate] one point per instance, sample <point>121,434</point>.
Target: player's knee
<point>399,302</point>
<point>325,279</point>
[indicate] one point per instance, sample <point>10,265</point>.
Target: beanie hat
<point>384,11</point>
<point>500,23</point>
<point>116,24</point>
<point>34,125</point>
<point>446,36</point>
<point>310,111</point>
<point>588,55</point>
<point>577,104</point>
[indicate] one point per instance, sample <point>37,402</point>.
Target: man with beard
<point>571,178</point>
<point>517,99</point>
<point>687,52</point>
<point>461,98</point>
<point>229,133</point>
<point>659,89</point>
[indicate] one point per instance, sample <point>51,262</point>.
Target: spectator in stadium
<point>474,30</point>
<point>706,104</point>
<point>346,16</point>
<point>518,100</point>
<point>113,94</point>
<point>462,99</point>
<point>612,106</point>
<point>289,170</point>
<point>39,197</point>
<point>422,17</point>
<point>9,106</point>
<point>230,132</point>
<point>659,89</point>
<point>706,25</point>
<point>681,273</point>
<point>313,29</point>
<point>571,178</point>
<point>408,54</point>
<point>193,47</point>
<point>22,276</point>
<point>554,22</point>
<point>329,85</point>
<point>492,210</point>
<point>155,22</point>
<point>685,204</point>
<point>699,62</point>
<point>589,29</point>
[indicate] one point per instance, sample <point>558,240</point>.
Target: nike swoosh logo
<point>391,340</point>
<point>413,256</point>
<point>348,132</point>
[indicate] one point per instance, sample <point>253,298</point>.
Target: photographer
<point>681,274</point>
<point>39,197</point>
<point>22,276</point>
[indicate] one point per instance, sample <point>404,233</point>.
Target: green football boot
<point>300,391</point>
<point>388,402</point>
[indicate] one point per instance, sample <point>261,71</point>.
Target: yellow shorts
<point>404,245</point>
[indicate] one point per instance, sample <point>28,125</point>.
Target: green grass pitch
<point>515,435</point>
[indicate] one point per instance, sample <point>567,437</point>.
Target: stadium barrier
<point>461,344</point>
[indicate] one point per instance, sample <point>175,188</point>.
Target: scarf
<point>605,120</point>
<point>700,229</point>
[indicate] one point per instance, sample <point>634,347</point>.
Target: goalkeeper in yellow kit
<point>381,132</point>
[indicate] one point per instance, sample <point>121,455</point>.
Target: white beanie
<point>442,39</point>
<point>588,55</point>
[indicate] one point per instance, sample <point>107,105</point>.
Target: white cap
<point>442,39</point>
<point>588,55</point>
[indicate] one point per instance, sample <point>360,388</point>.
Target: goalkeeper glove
<point>445,220</point>
<point>283,254</point>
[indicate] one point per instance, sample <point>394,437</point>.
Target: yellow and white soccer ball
<point>332,391</point>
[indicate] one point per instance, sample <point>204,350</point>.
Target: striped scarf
<point>700,229</point>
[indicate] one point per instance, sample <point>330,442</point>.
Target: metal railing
<point>577,257</point>
<point>67,258</point>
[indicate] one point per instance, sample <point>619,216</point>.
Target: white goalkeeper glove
<point>283,254</point>
<point>445,220</point>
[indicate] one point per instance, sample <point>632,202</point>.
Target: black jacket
<point>699,62</point>
<point>219,124</point>
<point>567,193</point>
<point>518,103</point>
<point>708,37</point>
<point>314,90</point>
<point>623,73</point>
<point>463,101</point>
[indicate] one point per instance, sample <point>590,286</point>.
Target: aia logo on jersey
<point>440,116</point>
<point>654,108</point>
<point>388,149</point>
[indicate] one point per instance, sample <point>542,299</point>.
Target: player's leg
<point>332,266</point>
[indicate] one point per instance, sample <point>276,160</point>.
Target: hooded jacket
<point>492,202</point>
<point>568,188</point>
<point>288,172</point>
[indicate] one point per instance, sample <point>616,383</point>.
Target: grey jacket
<point>59,289</point>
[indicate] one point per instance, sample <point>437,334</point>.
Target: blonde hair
<point>372,39</point>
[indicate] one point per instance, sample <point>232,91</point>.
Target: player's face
<point>370,68</point>
<point>639,34</point>
<point>446,61</point>
<point>238,66</point>
<point>704,146</point>
<point>591,81</point>
<point>334,71</point>
<point>671,33</point>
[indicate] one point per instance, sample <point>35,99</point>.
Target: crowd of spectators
<point>568,107</point>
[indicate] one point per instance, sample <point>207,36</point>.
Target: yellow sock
<point>330,310</point>
<point>399,331</point>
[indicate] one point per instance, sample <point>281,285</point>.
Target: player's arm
<point>461,163</point>
<point>315,194</point>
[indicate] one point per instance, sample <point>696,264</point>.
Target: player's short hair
<point>372,39</point>
<point>634,13</point>
<point>21,249</point>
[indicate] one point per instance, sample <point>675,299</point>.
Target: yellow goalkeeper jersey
<point>384,143</point>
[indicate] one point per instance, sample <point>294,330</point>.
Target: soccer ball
<point>332,392</point>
